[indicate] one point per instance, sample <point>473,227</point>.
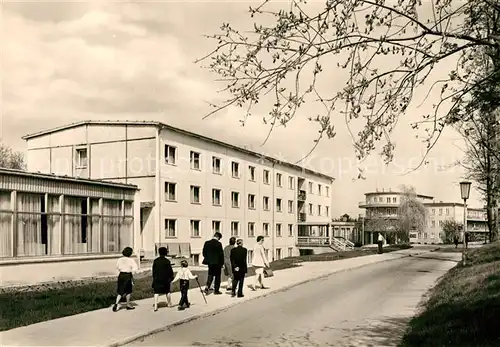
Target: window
<point>278,253</point>
<point>440,223</point>
<point>310,188</point>
<point>327,211</point>
<point>235,169</point>
<point>195,228</point>
<point>433,211</point>
<point>311,209</point>
<point>290,230</point>
<point>251,229</point>
<point>290,183</point>
<point>290,252</point>
<point>170,154</point>
<point>216,226</point>
<point>327,192</point>
<point>235,228</point>
<point>265,229</point>
<point>319,210</point>
<point>447,211</point>
<point>195,194</point>
<point>394,200</point>
<point>170,228</point>
<point>433,224</point>
<point>440,211</point>
<point>388,200</point>
<point>279,231</point>
<point>81,157</point>
<point>265,176</point>
<point>216,197</point>
<point>250,256</point>
<point>251,171</point>
<point>265,203</point>
<point>194,158</point>
<point>319,189</point>
<point>235,199</point>
<point>278,205</point>
<point>279,182</point>
<point>290,206</point>
<point>216,166</point>
<point>251,201</point>
<point>170,191</point>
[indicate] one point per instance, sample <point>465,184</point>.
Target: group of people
<point>232,258</point>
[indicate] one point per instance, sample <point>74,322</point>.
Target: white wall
<point>183,211</point>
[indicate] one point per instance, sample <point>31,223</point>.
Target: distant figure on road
<point>259,262</point>
<point>239,267</point>
<point>183,276</point>
<point>126,267</point>
<point>163,274</point>
<point>455,241</point>
<point>213,256</point>
<point>380,243</point>
<point>227,262</point>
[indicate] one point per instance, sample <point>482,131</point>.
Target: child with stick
<point>183,276</point>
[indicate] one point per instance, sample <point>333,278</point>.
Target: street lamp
<point>465,191</point>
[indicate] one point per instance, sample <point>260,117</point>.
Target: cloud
<point>108,60</point>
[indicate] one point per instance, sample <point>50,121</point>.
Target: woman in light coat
<point>259,262</point>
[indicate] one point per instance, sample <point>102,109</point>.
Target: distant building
<point>385,205</point>
<point>346,228</point>
<point>190,185</point>
<point>56,228</point>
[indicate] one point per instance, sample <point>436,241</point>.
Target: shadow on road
<point>379,333</point>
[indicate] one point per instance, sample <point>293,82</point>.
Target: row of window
<point>441,211</point>
<point>195,198</point>
<point>195,228</point>
<point>387,200</point>
<point>196,164</point>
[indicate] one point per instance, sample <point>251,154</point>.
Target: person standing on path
<point>239,267</point>
<point>455,241</point>
<point>228,272</point>
<point>213,256</point>
<point>126,267</point>
<point>259,262</point>
<point>183,276</point>
<point>163,274</point>
<point>380,243</point>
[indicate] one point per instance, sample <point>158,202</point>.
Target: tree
<point>411,214</point>
<point>450,229</point>
<point>383,224</point>
<point>10,159</point>
<point>293,59</point>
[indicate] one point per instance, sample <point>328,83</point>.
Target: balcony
<point>302,195</point>
<point>302,217</point>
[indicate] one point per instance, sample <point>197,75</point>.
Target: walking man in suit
<point>227,262</point>
<point>239,267</point>
<point>213,256</point>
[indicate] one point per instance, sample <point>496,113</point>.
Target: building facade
<point>190,185</point>
<point>382,205</point>
<point>385,205</point>
<point>54,227</point>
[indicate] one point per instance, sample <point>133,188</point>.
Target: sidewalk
<point>106,328</point>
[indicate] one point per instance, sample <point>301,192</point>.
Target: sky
<point>63,62</point>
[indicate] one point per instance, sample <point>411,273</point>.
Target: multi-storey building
<point>385,205</point>
<point>190,185</point>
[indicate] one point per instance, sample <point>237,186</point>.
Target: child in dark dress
<point>183,276</point>
<point>163,274</point>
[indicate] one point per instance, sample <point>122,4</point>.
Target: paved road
<point>369,306</point>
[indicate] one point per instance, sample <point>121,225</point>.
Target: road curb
<point>226,307</point>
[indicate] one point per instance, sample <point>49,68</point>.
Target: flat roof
<point>70,179</point>
<point>181,131</point>
<point>397,193</point>
<point>452,204</point>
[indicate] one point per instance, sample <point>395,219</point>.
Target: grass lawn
<point>22,308</point>
<point>464,308</point>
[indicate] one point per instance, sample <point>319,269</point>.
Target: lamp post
<point>465,191</point>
